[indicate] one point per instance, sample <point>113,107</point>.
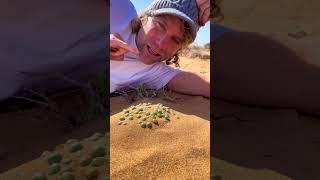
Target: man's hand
<point>118,47</point>
<point>204,11</point>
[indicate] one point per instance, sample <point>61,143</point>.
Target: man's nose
<point>162,41</point>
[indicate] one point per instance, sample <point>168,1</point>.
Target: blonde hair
<point>136,24</point>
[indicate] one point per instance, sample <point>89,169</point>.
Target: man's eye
<point>176,41</point>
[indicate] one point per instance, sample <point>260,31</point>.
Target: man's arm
<point>189,83</point>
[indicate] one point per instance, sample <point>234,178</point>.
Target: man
<point>44,42</point>
<point>159,34</point>
<point>266,74</point>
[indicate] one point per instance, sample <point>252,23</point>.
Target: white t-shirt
<point>121,13</point>
<point>131,73</point>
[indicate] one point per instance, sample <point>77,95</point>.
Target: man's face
<point>159,38</point>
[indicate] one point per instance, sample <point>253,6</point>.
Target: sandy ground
<point>179,149</point>
<point>293,22</point>
<point>256,143</point>
<point>29,169</point>
<point>26,134</point>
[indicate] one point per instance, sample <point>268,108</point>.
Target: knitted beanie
<point>184,9</point>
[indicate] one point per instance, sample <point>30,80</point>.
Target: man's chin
<point>147,62</point>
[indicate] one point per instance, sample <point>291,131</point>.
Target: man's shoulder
<point>121,14</point>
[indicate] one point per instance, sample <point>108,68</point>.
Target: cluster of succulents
<point>90,160</point>
<point>146,114</point>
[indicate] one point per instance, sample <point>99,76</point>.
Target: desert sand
<point>269,143</point>
<point>27,131</point>
<point>81,159</point>
<point>293,23</point>
<point>178,149</point>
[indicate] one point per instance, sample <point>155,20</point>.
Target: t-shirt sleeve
<point>159,76</point>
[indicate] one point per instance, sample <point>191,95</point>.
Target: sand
<point>27,133</point>
<point>257,143</point>
<point>292,22</point>
<point>29,169</point>
<point>179,149</point>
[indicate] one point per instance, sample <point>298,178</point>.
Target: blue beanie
<point>184,9</point>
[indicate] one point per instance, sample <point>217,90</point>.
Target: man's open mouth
<point>151,51</point>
